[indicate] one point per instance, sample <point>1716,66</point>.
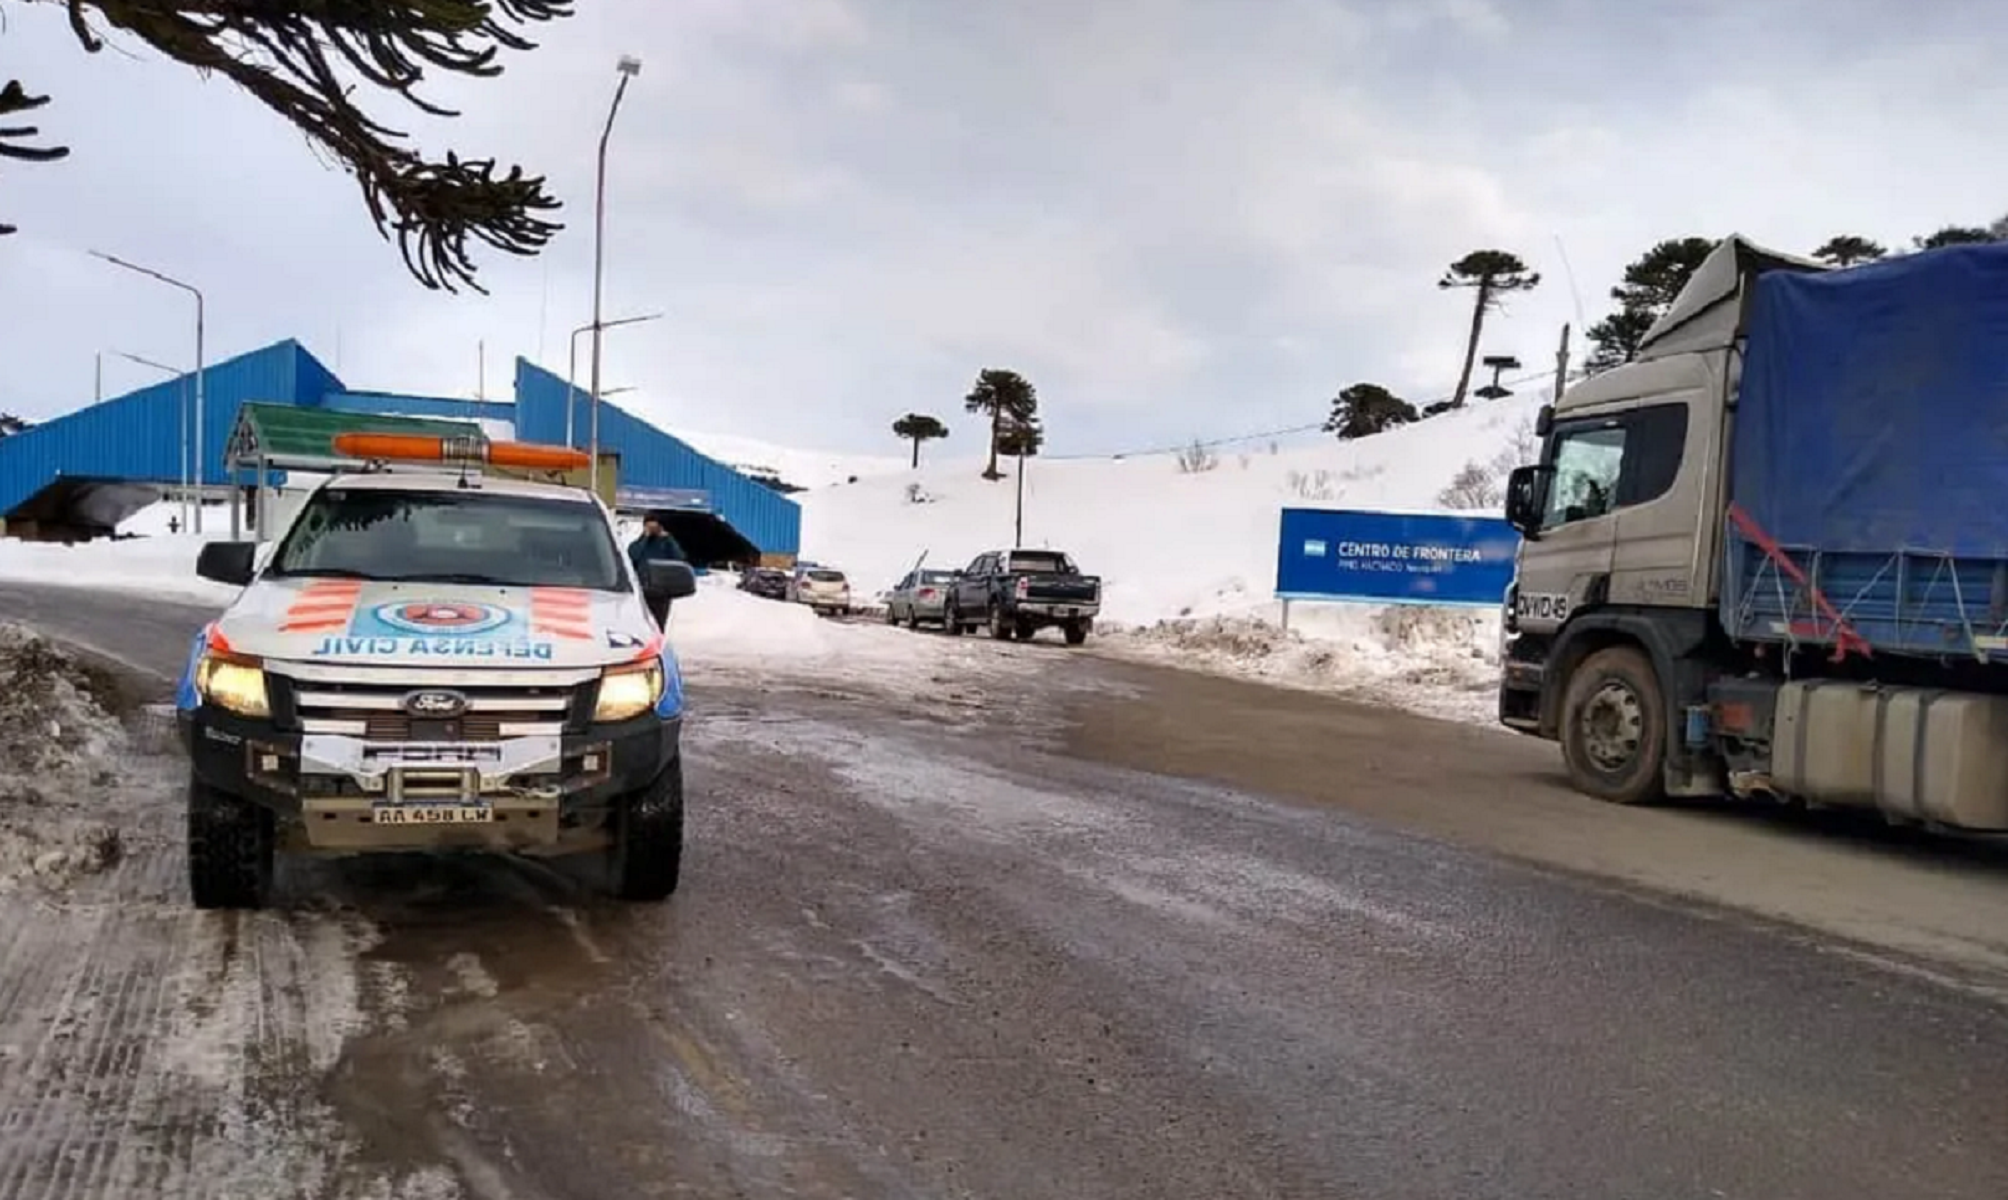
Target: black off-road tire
<point>951,621</point>
<point>1076,632</point>
<point>1614,729</point>
<point>232,849</point>
<point>645,861</point>
<point>1000,626</point>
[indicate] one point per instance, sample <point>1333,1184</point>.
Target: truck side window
<point>1587,461</point>
<point>1653,450</point>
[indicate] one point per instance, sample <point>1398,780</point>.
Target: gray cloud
<point>1177,216</point>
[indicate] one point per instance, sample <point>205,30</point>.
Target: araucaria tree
<point>1491,274</point>
<point>307,63</point>
<point>1650,286</point>
<point>1846,250</point>
<point>918,428</point>
<point>1954,235</point>
<point>1005,397</point>
<point>1365,409</point>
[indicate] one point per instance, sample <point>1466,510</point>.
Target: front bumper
<point>340,793</point>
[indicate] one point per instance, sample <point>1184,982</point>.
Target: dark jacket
<point>646,549</point>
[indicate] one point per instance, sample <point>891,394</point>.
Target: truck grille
<point>375,712</point>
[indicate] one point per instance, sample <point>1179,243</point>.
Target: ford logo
<point>435,705</point>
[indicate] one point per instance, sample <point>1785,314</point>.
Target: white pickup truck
<point>432,660</point>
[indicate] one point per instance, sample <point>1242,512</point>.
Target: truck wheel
<point>999,627</point>
<point>1614,728</point>
<point>646,858</point>
<point>951,621</point>
<point>232,845</point>
<point>1076,632</point>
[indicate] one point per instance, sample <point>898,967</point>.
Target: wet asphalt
<point>928,952</point>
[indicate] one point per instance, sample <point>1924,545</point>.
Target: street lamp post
<point>629,67</point>
<point>192,290</point>
<point>572,365</point>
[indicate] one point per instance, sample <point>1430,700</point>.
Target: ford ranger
<point>434,660</point>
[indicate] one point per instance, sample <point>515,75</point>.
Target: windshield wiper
<point>317,573</point>
<point>472,579</point>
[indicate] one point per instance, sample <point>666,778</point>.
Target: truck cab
<point>430,659</point>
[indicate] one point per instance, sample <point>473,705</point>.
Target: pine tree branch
<point>291,58</point>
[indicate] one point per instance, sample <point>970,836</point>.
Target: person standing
<point>655,544</point>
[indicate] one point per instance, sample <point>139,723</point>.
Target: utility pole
<point>1018,521</point>
<point>1561,365</point>
<point>191,289</point>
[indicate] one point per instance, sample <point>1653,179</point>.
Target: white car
<point>431,660</point>
<point>822,588</point>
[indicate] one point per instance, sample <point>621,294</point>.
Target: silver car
<point>921,596</point>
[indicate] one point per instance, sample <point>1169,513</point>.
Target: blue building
<point>79,475</point>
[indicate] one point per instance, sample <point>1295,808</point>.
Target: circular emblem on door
<point>442,616</point>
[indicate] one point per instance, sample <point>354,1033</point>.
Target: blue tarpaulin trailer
<point>1869,459</point>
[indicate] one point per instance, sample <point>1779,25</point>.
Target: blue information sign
<point>1394,558</point>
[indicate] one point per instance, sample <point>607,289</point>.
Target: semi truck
<point>1768,558</point>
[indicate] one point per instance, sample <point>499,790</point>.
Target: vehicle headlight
<point>628,691</point>
<point>232,684</point>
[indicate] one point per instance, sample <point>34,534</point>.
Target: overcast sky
<point>1177,217</point>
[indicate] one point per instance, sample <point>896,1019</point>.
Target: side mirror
<point>1544,420</point>
<point>1527,498</point>
<point>668,580</point>
<point>233,563</point>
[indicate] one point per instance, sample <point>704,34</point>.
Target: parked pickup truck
<point>1019,592</point>
<point>433,660</point>
<point>1769,556</point>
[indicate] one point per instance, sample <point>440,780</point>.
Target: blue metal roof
<point>135,437</point>
<point>652,459</point>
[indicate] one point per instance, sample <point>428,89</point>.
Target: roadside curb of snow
<point>71,726</point>
<point>1433,662</point>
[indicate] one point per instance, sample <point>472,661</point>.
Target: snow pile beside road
<point>1438,662</point>
<point>59,750</point>
<point>162,566</point>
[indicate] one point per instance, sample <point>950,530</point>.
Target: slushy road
<point>1092,931</point>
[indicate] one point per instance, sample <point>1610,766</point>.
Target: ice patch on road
<point>62,756</point>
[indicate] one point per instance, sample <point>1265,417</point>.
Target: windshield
<point>936,577</point>
<point>827,576</point>
<point>1045,562</point>
<point>451,537</point>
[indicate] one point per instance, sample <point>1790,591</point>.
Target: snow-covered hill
<point>1188,557</point>
<point>803,468</point>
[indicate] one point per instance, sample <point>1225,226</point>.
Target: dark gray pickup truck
<point>1016,593</point>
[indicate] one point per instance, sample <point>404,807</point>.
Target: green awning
<point>303,438</point>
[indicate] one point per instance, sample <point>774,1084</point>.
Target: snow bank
<point>162,566</point>
<point>59,756</point>
<point>732,633</point>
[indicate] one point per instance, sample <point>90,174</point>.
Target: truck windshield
<point>1040,562</point>
<point>1586,474</point>
<point>451,537</point>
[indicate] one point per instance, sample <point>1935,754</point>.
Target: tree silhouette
<point>1650,286</point>
<point>1492,274</point>
<point>1954,235</point>
<point>306,62</point>
<point>1003,396</point>
<point>11,424</point>
<point>1845,250</point>
<point>1365,409</point>
<point>918,428</point>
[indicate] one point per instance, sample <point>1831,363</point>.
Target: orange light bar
<point>537,457</point>
<point>412,447</point>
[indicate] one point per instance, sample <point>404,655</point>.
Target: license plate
<point>432,814</point>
